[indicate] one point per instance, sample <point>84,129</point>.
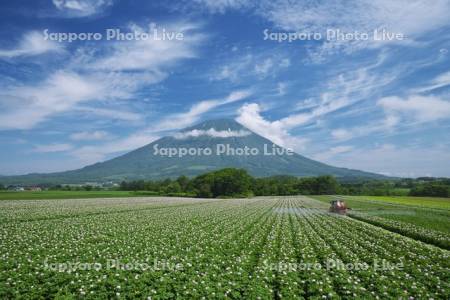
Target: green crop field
<point>429,202</point>
<point>420,212</point>
<point>182,248</point>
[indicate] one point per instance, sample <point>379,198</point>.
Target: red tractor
<point>338,207</point>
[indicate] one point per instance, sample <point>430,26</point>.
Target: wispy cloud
<point>340,92</point>
<point>111,114</point>
<point>412,111</point>
<point>90,135</point>
<point>81,8</point>
<point>250,116</point>
<point>282,88</point>
<point>418,108</point>
<point>211,133</point>
<point>220,6</point>
<point>180,120</point>
<point>333,152</point>
<point>60,92</point>
<point>149,54</point>
<point>412,19</point>
<point>52,148</point>
<point>250,65</point>
<point>95,153</point>
<point>117,72</point>
<point>392,160</point>
<point>31,44</point>
<point>443,80</point>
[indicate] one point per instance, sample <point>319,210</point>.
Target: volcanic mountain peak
<point>146,163</point>
<point>218,125</point>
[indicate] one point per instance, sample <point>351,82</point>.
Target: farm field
<point>29,195</point>
<point>167,248</point>
<point>424,212</point>
<point>429,202</point>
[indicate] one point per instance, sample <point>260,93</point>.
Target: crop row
<point>262,248</point>
<point>430,236</point>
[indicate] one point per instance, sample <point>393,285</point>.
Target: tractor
<point>338,207</point>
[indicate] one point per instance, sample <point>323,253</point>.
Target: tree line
<point>235,183</point>
<point>232,182</point>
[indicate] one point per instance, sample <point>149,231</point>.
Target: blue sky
<point>375,105</point>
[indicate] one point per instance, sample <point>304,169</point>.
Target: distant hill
<point>145,163</point>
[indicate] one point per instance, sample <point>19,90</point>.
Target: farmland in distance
<point>166,248</point>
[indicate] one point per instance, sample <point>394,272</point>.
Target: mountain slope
<point>146,163</point>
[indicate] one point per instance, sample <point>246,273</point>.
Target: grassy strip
<point>429,202</point>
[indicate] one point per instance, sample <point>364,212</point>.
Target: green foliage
<point>261,248</point>
<point>224,183</point>
<point>289,185</point>
<point>231,182</point>
<point>432,189</point>
<point>422,212</point>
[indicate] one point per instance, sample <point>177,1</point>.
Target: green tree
<point>326,185</point>
<point>173,188</point>
<point>183,181</point>
<point>228,182</point>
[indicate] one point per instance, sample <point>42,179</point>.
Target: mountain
<point>153,161</point>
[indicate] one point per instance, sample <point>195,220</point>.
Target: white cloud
<point>440,81</point>
<point>220,6</point>
<point>260,66</point>
<point>281,88</point>
<point>211,133</point>
<point>81,8</point>
<point>341,91</point>
<point>414,19</point>
<point>340,149</point>
<point>262,69</point>
<point>117,72</point>
<point>341,134</point>
<point>233,70</point>
<point>404,161</point>
<point>177,121</point>
<point>249,115</point>
<point>149,54</point>
<point>52,148</point>
<point>95,153</point>
<point>418,108</point>
<point>89,135</point>
<point>113,114</point>
<point>410,17</point>
<point>32,43</point>
<point>285,63</point>
<point>399,113</point>
<point>34,104</point>
<point>332,152</point>
<point>306,104</point>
